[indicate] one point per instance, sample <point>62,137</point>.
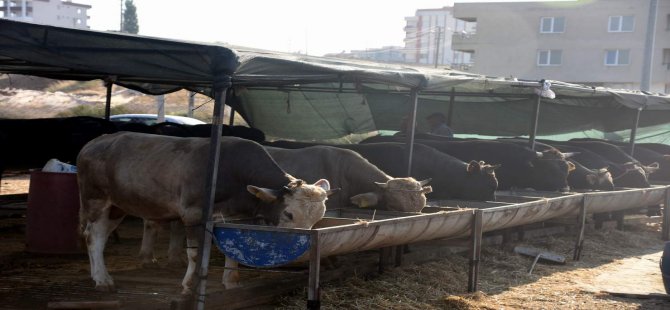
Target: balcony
<point>464,41</point>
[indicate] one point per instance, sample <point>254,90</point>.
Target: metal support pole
<point>580,236</point>
<point>108,101</point>
<point>452,103</point>
<point>533,125</point>
<point>414,95</point>
<point>666,216</point>
<point>313,292</point>
<point>475,250</point>
<point>633,132</point>
<point>205,237</point>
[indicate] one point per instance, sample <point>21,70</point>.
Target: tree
<point>130,24</point>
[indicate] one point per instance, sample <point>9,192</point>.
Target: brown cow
<point>160,178</point>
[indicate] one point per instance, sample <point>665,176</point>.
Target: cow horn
<point>382,185</point>
<point>425,182</point>
<point>570,154</point>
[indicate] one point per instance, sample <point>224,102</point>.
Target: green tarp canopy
<point>313,98</point>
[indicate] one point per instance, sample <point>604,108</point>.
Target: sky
<point>307,26</point>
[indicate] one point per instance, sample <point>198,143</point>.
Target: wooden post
<point>205,237</point>
<point>666,216</point>
<point>475,250</point>
<point>398,255</point>
<point>191,103</point>
<point>579,244</point>
<point>450,112</point>
<point>533,125</point>
<point>313,291</point>
<point>108,101</point>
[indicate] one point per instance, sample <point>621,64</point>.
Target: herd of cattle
<point>158,173</point>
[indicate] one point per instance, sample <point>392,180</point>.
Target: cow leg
<point>149,237</point>
<point>192,232</point>
<point>231,276</point>
<point>176,249</point>
<point>96,233</point>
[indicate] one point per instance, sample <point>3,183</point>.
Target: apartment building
<point>50,12</point>
<point>594,42</point>
<point>393,54</point>
<point>428,36</point>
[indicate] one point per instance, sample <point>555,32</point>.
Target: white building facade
<point>428,36</point>
<point>48,12</point>
<point>594,42</point>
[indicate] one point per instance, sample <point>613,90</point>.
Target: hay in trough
<point>503,277</point>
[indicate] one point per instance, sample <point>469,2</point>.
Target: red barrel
<point>53,213</point>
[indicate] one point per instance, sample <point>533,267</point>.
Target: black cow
<point>452,178</point>
<point>205,130</point>
<point>582,178</point>
<point>520,166</point>
<point>623,175</point>
<point>30,143</point>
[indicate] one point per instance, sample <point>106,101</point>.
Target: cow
<point>520,166</point>
<point>205,130</point>
<point>649,156</point>
<point>162,178</point>
<point>451,178</point>
<point>361,182</point>
<point>581,178</point>
<point>623,175</point>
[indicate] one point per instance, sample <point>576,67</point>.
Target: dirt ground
<point>612,261</point>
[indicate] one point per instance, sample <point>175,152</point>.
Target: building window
<point>621,23</point>
<point>552,24</point>
<point>667,22</point>
<point>666,57</point>
<point>549,57</point>
<point>78,11</point>
<point>617,57</point>
<point>78,21</point>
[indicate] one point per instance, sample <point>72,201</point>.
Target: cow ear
<point>473,167</point>
<point>426,189</point>
<point>491,168</point>
<point>571,166</point>
<point>591,179</point>
<point>323,183</point>
<point>365,200</point>
<point>264,194</point>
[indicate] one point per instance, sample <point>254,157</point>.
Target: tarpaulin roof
<point>150,65</point>
<point>315,98</point>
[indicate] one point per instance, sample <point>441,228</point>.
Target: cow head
<point>629,175</point>
<point>398,194</point>
<point>550,174</point>
<point>297,205</point>
<point>600,179</point>
<point>651,168</point>
<point>480,182</point>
